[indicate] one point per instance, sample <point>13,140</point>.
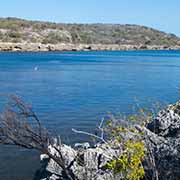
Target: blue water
<point>76,89</point>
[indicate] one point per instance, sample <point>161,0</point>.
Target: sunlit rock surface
<point>164,141</point>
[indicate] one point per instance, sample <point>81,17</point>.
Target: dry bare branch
<point>20,126</point>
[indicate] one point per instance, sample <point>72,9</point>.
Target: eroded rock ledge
<point>164,140</point>
<point>36,47</point>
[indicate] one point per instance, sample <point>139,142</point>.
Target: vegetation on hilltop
<point>19,30</point>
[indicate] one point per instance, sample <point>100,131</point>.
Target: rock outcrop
<point>38,47</point>
<point>161,136</point>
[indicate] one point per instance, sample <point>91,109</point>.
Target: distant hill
<point>20,31</point>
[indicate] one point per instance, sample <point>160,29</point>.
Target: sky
<point>163,15</point>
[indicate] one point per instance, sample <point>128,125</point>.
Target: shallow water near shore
<point>76,89</point>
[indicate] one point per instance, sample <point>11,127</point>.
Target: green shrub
<point>1,35</point>
<point>129,163</point>
<point>54,38</point>
<point>13,34</point>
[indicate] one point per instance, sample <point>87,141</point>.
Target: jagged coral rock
<point>161,136</point>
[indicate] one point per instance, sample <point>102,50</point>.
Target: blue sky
<point>161,14</point>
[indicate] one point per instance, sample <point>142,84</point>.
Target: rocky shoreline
<point>38,47</point>
<point>164,141</point>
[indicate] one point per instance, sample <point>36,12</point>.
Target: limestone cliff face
<point>38,47</point>
<point>163,139</point>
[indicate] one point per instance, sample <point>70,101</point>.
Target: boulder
<point>167,122</point>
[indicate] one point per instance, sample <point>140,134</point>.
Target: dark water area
<point>76,89</point>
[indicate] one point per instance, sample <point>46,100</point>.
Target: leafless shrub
<point>20,126</point>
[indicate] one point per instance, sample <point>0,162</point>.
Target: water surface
<point>76,89</point>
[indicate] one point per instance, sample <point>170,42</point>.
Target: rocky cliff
<point>36,47</point>
<point>163,134</point>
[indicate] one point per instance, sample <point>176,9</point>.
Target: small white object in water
<point>36,68</point>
